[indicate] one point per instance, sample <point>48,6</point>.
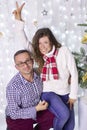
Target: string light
<point>61,16</point>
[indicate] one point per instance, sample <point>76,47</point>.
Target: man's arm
<point>15,108</point>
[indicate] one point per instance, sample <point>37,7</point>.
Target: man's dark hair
<point>23,51</point>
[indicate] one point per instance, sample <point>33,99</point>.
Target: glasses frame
<point>22,64</point>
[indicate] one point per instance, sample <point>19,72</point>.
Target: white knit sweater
<point>65,63</point>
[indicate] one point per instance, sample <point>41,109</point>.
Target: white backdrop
<point>61,16</point>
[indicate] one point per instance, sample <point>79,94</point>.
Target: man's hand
<point>43,105</point>
<point>17,11</point>
<point>71,103</point>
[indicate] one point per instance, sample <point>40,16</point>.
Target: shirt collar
<point>24,81</point>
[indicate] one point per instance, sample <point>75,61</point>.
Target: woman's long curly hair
<point>35,43</point>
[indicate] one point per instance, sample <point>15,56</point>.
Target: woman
<point>58,71</point>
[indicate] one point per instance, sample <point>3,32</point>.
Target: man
<point>23,92</point>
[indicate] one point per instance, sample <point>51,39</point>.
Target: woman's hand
<point>17,11</point>
<point>71,103</point>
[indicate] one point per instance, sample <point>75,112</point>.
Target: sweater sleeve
<point>20,38</point>
<point>73,73</point>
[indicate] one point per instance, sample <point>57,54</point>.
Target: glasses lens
<point>23,63</point>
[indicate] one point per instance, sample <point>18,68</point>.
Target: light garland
<point>61,16</point>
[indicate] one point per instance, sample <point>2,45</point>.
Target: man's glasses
<point>22,64</point>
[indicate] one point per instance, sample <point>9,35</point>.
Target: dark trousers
<point>44,122</point>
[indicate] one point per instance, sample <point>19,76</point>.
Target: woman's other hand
<point>17,11</point>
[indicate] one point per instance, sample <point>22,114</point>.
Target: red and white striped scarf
<point>50,66</point>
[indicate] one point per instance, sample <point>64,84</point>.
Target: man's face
<point>23,63</point>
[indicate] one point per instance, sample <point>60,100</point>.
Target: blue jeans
<point>64,117</point>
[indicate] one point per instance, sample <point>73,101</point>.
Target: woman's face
<point>44,45</point>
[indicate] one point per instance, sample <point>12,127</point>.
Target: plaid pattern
<point>22,96</point>
<point>50,66</point>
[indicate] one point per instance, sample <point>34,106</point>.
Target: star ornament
<point>44,12</point>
